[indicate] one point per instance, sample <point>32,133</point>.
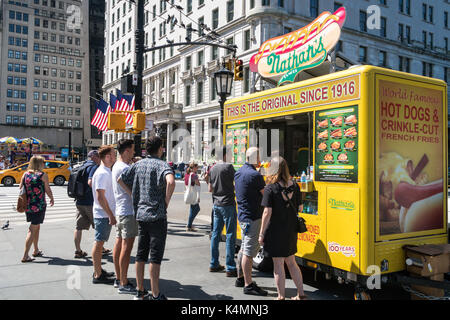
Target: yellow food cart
<point>376,150</point>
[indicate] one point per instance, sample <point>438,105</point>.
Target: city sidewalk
<point>184,273</point>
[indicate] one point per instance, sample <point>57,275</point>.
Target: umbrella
<point>36,141</point>
<point>31,140</point>
<point>9,140</point>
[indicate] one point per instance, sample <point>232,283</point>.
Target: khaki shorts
<point>85,217</point>
<point>250,234</point>
<point>126,227</point>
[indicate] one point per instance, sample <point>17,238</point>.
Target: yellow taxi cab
<point>58,173</point>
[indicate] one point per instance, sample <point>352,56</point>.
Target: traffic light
<point>139,121</point>
<point>238,70</point>
<point>116,121</point>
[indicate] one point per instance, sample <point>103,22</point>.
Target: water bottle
<point>303,177</point>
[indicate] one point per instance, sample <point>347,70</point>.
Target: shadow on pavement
<point>175,290</point>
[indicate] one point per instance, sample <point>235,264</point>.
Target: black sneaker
<point>103,279</point>
<point>142,295</point>
<point>129,288</point>
<point>254,290</point>
<point>116,283</point>
<point>240,283</point>
<point>159,297</point>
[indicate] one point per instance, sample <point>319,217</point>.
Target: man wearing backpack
<point>84,205</point>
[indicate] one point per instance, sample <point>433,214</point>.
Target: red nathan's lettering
<point>279,102</point>
<point>253,107</point>
<point>389,109</point>
<point>313,95</point>
<point>416,113</point>
<point>233,111</point>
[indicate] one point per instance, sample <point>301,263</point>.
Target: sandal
<point>80,254</point>
<point>300,298</point>
<point>27,260</point>
<point>39,254</point>
<point>106,251</point>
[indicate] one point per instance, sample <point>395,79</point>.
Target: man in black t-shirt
<point>221,184</point>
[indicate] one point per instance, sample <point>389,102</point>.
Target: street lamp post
<point>223,80</point>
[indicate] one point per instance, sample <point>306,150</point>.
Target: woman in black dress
<point>278,233</point>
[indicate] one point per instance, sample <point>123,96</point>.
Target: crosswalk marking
<point>64,208</point>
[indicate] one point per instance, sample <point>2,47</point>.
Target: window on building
<point>188,64</point>
<point>247,43</point>
<point>246,79</point>
<point>199,92</point>
<point>230,10</point>
<point>314,8</point>
<point>363,21</point>
<point>189,6</point>
<point>200,60</point>
<point>427,69</point>
<point>382,58</point>
<point>187,93</point>
<point>215,18</point>
<point>230,42</point>
<point>383,27</point>
<point>214,53</point>
<point>265,2</point>
<point>362,54</point>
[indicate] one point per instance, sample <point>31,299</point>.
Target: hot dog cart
<point>374,142</point>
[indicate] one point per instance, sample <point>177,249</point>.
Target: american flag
<point>125,103</point>
<point>128,103</point>
<point>100,119</point>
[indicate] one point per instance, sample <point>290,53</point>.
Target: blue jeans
<point>224,216</point>
<point>193,211</point>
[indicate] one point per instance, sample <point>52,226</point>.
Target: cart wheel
<point>361,295</point>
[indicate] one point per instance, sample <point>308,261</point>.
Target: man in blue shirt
<point>85,217</point>
<point>249,185</point>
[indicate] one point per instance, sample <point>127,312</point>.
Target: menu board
<point>236,138</point>
<point>336,147</point>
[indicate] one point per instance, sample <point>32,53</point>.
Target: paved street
<point>184,270</point>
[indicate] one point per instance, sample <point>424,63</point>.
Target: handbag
<point>301,223</point>
<point>192,193</point>
<point>22,200</point>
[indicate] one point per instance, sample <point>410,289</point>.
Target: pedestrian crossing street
<point>64,208</point>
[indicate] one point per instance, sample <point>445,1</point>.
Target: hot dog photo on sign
<point>410,164</point>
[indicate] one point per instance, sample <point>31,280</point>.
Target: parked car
<point>58,173</point>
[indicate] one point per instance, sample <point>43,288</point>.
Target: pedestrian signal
<point>238,70</point>
<point>139,121</point>
<point>116,121</point>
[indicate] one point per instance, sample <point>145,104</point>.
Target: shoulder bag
<point>22,200</point>
<point>192,192</point>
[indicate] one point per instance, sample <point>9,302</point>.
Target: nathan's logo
<point>341,204</point>
<point>282,58</point>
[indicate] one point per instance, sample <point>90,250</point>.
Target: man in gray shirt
<point>221,184</point>
<point>151,183</point>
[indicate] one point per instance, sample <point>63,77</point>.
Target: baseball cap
<point>93,153</point>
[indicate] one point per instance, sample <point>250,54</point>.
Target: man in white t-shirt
<point>103,209</point>
<point>127,227</point>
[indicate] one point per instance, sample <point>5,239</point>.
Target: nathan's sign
<point>282,58</point>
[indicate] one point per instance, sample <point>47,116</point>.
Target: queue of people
<point>134,197</point>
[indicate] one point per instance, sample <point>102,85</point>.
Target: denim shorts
<point>102,229</point>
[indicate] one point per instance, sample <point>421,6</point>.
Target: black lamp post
<point>223,80</point>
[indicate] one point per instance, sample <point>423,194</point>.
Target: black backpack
<point>77,185</point>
